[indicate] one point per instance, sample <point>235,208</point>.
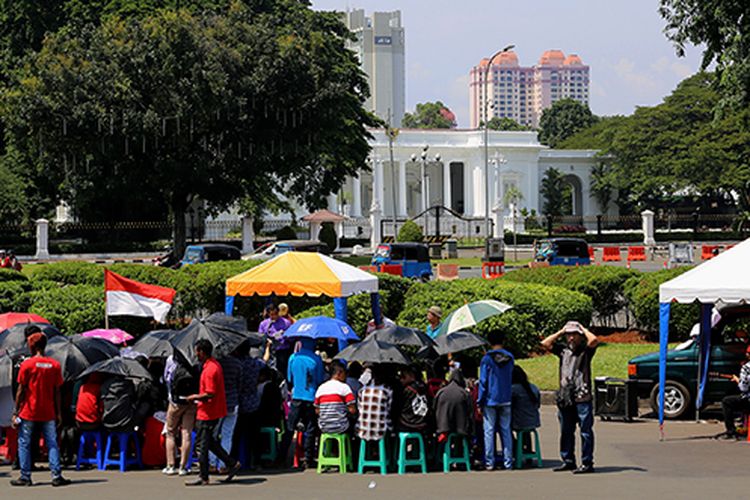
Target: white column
<point>356,197</point>
<point>314,230</point>
<point>332,205</point>
<point>648,227</point>
<point>248,234</point>
<point>423,187</point>
<point>402,189</point>
<point>375,214</point>
<point>378,192</point>
<point>498,230</point>
<point>447,184</point>
<point>42,239</point>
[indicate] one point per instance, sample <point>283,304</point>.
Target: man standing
<point>212,407</point>
<point>38,404</point>
<point>434,315</point>
<point>737,402</point>
<point>493,401</point>
<point>575,395</point>
<point>273,327</point>
<point>334,402</point>
<point>231,367</point>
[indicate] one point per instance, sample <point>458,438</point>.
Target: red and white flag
<point>126,297</point>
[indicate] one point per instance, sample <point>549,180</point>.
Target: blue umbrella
<point>321,327</point>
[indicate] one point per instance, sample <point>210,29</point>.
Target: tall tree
<point>505,123</point>
<point>563,119</point>
<point>218,106</point>
<point>430,115</point>
<point>556,193</point>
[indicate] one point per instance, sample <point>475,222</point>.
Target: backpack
<point>184,383</point>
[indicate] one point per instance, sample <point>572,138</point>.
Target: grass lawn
<point>611,360</point>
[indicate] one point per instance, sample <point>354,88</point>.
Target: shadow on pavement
<point>272,472</point>
<point>243,480</point>
<point>613,469</point>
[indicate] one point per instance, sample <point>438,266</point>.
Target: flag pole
<point>106,316</point>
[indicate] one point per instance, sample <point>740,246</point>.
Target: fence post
<point>599,225</point>
<point>549,225</point>
<point>375,228</point>
<point>42,239</point>
<point>248,234</point>
<point>647,217</point>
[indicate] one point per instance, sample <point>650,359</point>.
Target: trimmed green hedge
<point>642,293</point>
<point>14,296</point>
<point>538,310</point>
<point>11,275</point>
<point>604,284</point>
<point>73,308</point>
<point>67,273</point>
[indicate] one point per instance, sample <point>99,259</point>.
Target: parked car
<point>563,252</point>
<point>729,339</point>
<point>271,250</point>
<point>209,252</point>
<point>414,259</point>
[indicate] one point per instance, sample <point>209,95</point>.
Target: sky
<point>632,62</point>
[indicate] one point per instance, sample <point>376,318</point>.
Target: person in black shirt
<point>575,395</point>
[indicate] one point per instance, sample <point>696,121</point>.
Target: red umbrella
<point>11,319</point>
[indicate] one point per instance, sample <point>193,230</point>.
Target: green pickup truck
<point>729,339</point>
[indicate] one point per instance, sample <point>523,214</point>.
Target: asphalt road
<point>630,459</point>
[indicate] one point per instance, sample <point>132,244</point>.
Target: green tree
<point>410,232</point>
<point>563,119</point>
<point>217,106</point>
<point>722,28</point>
<point>602,186</point>
<point>328,235</point>
<point>430,115</point>
<point>556,193</point>
<point>504,123</point>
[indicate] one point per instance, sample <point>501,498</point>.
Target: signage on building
<point>383,40</point>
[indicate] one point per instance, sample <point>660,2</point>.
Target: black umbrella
<point>6,371</point>
<point>155,344</point>
<point>401,335</point>
<point>457,342</point>
<point>123,367</point>
<point>224,332</point>
<point>372,350</point>
<point>14,338</point>
<point>75,353</point>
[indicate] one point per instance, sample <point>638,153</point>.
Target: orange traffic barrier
<point>709,251</point>
<point>447,272</point>
<point>535,264</point>
<point>636,253</point>
<point>394,269</point>
<point>492,270</point>
<point>611,254</point>
<point>369,269</point>
<point>592,253</point>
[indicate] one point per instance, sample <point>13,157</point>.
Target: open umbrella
<point>457,342</point>
<point>14,338</point>
<point>75,353</point>
<point>224,332</point>
<point>372,350</point>
<point>401,335</point>
<point>321,327</point>
<point>155,344</point>
<point>12,318</point>
<point>114,335</point>
<point>6,371</point>
<point>123,367</point>
<point>471,314</point>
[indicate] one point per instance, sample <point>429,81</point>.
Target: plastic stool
<point>273,447</point>
<point>344,458</point>
<point>382,458</point>
<point>403,461</point>
<point>87,438</point>
<point>122,460</point>
<point>191,458</point>
<point>521,456</point>
<point>463,459</point>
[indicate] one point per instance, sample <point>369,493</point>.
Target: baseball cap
<point>573,327</point>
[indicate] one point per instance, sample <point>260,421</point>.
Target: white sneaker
<point>169,471</point>
<point>184,472</point>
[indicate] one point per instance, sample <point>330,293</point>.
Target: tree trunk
<point>178,228</point>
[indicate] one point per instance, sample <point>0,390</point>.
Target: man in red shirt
<point>89,404</point>
<point>38,404</point>
<point>212,407</point>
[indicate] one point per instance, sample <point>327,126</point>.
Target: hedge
<point>73,308</point>
<point>642,293</point>
<point>538,310</point>
<point>604,284</point>
<point>14,296</point>
<point>11,275</point>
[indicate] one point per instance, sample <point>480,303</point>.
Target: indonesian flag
<point>126,297</point>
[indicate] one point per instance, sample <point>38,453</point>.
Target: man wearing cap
<point>737,402</point>
<point>434,315</point>
<point>575,395</point>
<point>38,405</point>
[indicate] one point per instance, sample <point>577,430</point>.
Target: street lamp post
<point>486,141</point>
<point>423,173</point>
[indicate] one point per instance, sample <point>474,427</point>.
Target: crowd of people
<point>292,386</point>
<point>8,260</point>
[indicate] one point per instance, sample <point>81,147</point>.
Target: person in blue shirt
<point>434,316</point>
<point>493,401</point>
<point>305,373</point>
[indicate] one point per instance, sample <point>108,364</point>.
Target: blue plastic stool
<point>88,438</point>
<point>122,460</point>
<point>403,461</point>
<point>381,460</point>
<point>521,456</point>
<point>463,459</point>
<point>191,458</point>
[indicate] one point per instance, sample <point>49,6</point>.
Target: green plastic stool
<point>344,458</point>
<point>463,459</point>
<point>272,435</point>
<point>521,456</point>
<point>403,461</point>
<point>381,461</point>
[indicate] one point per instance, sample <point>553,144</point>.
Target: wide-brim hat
<point>573,327</point>
<point>435,310</point>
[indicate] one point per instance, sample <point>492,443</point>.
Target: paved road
<point>632,463</point>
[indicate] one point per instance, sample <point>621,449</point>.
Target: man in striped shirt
<point>334,402</point>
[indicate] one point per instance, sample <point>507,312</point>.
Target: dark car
<point>729,340</point>
<point>563,252</point>
<point>209,252</point>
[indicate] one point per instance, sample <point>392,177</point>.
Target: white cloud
<point>639,81</point>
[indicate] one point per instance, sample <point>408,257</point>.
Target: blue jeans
<point>583,415</point>
<point>49,431</point>
<point>492,416</point>
<point>226,431</point>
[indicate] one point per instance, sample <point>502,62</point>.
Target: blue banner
<point>340,308</point>
<point>705,351</point>
<point>663,345</point>
<point>228,305</point>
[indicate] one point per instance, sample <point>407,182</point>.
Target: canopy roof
<point>724,278</point>
<point>302,273</point>
<point>323,216</point>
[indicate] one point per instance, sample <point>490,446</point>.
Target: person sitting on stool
<point>737,402</point>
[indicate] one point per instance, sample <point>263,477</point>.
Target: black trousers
<point>731,406</point>
<point>247,435</point>
<point>302,414</point>
<point>207,440</point>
